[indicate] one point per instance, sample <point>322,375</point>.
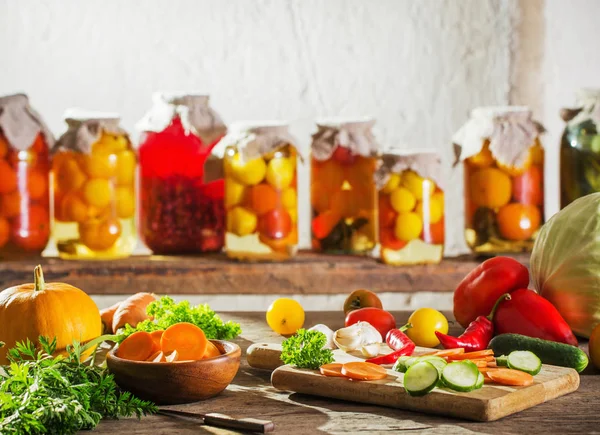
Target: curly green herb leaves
<point>305,350</point>
<point>165,312</point>
<point>40,393</point>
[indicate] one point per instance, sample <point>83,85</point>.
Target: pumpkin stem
<point>38,278</point>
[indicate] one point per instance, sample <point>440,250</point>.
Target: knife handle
<point>246,424</point>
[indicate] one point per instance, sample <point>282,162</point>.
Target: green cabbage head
<point>565,263</point>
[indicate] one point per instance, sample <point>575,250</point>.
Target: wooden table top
<point>251,395</point>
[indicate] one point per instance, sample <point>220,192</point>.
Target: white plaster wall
<point>417,66</point>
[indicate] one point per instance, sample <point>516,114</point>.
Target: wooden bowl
<point>178,382</point>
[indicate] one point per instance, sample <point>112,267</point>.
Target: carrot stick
<point>510,377</point>
<point>472,355</point>
<point>107,315</point>
<point>132,310</point>
<point>187,339</point>
<point>157,357</point>
<point>449,352</point>
<point>137,347</point>
<point>172,357</point>
<point>492,364</point>
<point>211,351</point>
<point>479,363</point>
<point>333,370</point>
<point>156,336</point>
<point>363,371</point>
<point>487,369</point>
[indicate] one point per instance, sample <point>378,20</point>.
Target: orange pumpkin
<point>49,309</point>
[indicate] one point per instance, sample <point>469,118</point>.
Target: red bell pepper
<point>396,339</point>
<point>527,313</point>
<point>480,289</point>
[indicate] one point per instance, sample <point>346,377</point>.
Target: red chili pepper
<point>396,339</point>
<point>476,337</point>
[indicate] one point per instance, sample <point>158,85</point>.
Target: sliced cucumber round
<point>400,365</point>
<point>461,376</point>
<point>410,361</point>
<point>525,361</point>
<point>438,363</point>
<point>420,378</point>
<point>480,381</point>
<point>501,361</point>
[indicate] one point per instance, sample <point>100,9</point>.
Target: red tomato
<point>434,233</point>
<point>387,215</point>
<point>380,319</point>
<point>31,230</point>
<point>275,224</point>
<point>528,188</point>
<point>388,239</point>
<point>343,155</point>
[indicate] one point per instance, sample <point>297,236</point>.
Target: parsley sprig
<point>41,393</point>
<point>305,350</point>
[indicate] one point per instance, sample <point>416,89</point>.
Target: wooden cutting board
<point>486,404</point>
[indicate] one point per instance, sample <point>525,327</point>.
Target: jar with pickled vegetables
<point>260,192</point>
<point>181,211</point>
<point>504,179</point>
<point>24,180</point>
<point>411,207</point>
<point>343,192</point>
<point>93,168</point>
<point>580,148</point>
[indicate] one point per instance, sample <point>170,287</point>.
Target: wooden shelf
<point>308,273</point>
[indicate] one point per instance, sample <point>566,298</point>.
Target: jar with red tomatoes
<point>181,206</point>
<point>411,207</point>
<point>260,192</point>
<point>24,180</point>
<point>343,191</point>
<point>503,163</point>
<point>93,168</point>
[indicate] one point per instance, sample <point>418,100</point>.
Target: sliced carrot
<point>156,336</point>
<point>486,369</point>
<point>363,371</point>
<point>479,363</point>
<point>132,310</point>
<point>333,370</point>
<point>157,357</point>
<point>172,357</point>
<point>211,351</point>
<point>510,377</point>
<point>137,347</point>
<point>107,315</point>
<point>187,339</point>
<point>472,355</point>
<point>492,364</point>
<point>449,352</point>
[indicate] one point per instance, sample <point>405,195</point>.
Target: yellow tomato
<point>425,321</point>
<point>595,346</point>
<point>248,173</point>
<point>285,316</point>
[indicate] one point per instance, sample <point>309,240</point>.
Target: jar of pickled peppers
<point>411,207</point>
<point>580,148</point>
<point>503,163</point>
<point>260,192</point>
<point>343,192</point>
<point>24,180</point>
<point>93,168</point>
<point>180,212</point>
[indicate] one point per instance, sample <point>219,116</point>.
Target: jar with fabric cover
<point>580,148</point>
<point>261,195</point>
<point>24,179</point>
<point>411,207</point>
<point>503,162</point>
<point>94,168</point>
<point>180,212</point>
<point>343,192</point>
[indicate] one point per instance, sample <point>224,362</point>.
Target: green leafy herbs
<point>40,393</point>
<point>305,350</point>
<point>166,312</point>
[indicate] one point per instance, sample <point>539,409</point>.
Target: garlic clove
<point>348,344</point>
<point>330,344</point>
<point>356,336</point>
<point>370,350</point>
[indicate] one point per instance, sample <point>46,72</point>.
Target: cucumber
<point>438,363</point>
<point>400,365</point>
<point>420,378</point>
<point>501,361</point>
<point>524,360</point>
<point>461,376</point>
<point>549,352</point>
<point>410,361</point>
<point>480,381</point>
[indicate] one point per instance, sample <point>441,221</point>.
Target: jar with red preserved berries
<point>181,209</point>
<point>24,179</point>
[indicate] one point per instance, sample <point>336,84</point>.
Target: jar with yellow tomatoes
<point>180,211</point>
<point>343,192</point>
<point>503,163</point>
<point>260,192</point>
<point>411,207</point>
<point>24,180</point>
<point>93,168</point>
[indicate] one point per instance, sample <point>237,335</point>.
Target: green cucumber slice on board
<point>502,361</point>
<point>410,361</point>
<point>400,365</point>
<point>461,376</point>
<point>549,352</point>
<point>438,363</point>
<point>480,381</point>
<point>525,361</point>
<point>420,378</point>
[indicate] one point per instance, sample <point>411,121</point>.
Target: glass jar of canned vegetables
<point>260,192</point>
<point>504,178</point>
<point>411,207</point>
<point>94,188</point>
<point>24,180</point>
<point>180,213</point>
<point>343,192</point>
<point>580,148</point>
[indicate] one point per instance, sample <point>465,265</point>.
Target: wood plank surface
<point>252,395</point>
<point>308,273</point>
